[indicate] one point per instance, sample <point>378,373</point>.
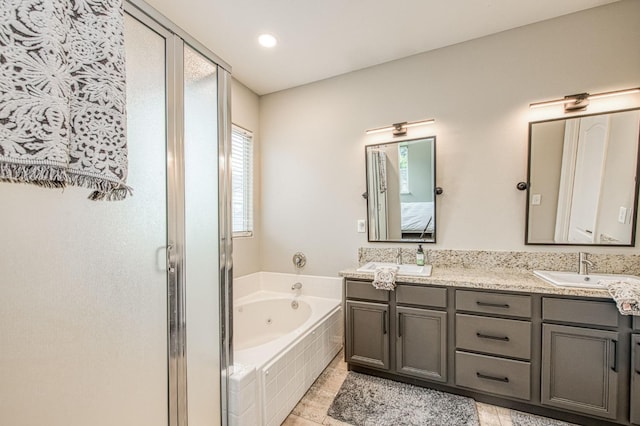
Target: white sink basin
<point>404,269</point>
<point>573,279</point>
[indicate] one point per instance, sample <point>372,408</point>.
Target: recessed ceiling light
<point>267,40</point>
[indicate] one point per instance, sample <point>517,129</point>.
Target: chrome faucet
<point>399,257</point>
<point>296,286</point>
<point>584,264</point>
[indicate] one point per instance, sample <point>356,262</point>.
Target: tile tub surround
<point>284,381</point>
<point>519,260</point>
<point>269,379</point>
<point>243,396</point>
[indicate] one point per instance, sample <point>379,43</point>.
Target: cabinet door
<point>421,344</point>
<point>580,369</point>
<point>635,379</point>
<point>367,334</point>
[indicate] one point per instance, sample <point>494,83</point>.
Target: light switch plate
<point>622,215</point>
<point>362,226</point>
<point>536,199</point>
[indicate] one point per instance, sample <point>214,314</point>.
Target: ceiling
<point>319,39</point>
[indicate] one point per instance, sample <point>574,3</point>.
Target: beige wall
<point>619,177</point>
<point>546,165</point>
<point>245,113</point>
<point>313,136</point>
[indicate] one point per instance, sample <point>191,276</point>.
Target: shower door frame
<point>175,40</point>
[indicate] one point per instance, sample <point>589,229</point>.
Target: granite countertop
<point>514,280</point>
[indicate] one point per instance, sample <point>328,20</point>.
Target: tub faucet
<point>584,264</point>
<point>399,257</point>
<point>296,286</point>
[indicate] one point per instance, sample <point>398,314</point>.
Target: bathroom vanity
<point>507,338</point>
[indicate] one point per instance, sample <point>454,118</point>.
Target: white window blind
<point>242,182</point>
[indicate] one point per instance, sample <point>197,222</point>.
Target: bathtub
<point>280,350</point>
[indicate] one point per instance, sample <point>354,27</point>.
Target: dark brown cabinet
<point>367,334</point>
<point>635,379</point>
<point>421,343</point>
<point>580,369</point>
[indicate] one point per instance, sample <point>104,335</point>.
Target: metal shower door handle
<point>170,265</point>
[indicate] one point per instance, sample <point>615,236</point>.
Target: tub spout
<point>296,286</point>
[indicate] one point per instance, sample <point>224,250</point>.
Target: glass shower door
<point>96,329</point>
<point>83,312</point>
<point>201,239</point>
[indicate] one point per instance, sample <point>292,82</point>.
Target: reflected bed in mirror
<point>401,191</point>
<point>582,180</point>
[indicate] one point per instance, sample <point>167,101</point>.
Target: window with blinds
<point>242,182</point>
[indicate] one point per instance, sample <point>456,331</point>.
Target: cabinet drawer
<point>495,375</point>
<point>580,311</point>
<point>364,290</point>
<point>422,296</point>
<point>493,303</point>
<point>494,335</point>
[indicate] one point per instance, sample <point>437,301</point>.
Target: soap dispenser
<point>420,256</point>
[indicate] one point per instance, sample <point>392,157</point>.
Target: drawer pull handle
<point>614,343</point>
<point>486,336</point>
<point>493,305</point>
<point>497,379</point>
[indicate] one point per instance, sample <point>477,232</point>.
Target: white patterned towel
<point>384,277</point>
<point>62,95</point>
<point>626,294</point>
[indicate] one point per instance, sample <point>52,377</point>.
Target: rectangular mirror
<point>582,186</point>
<point>401,191</point>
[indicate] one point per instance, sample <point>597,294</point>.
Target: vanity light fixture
<point>580,101</point>
<point>400,129</point>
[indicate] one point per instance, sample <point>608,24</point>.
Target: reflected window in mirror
<point>401,191</point>
<point>582,180</point>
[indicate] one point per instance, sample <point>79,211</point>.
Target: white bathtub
<point>265,317</point>
<point>279,351</point>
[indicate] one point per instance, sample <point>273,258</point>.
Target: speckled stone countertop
<point>514,280</point>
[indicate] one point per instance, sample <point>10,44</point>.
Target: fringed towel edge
<point>47,176</point>
<point>104,190</point>
<point>43,175</point>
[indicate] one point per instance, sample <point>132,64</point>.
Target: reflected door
<point>590,161</point>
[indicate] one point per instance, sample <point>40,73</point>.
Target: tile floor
<point>312,408</point>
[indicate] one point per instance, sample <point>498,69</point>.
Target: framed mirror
<point>401,205</point>
<point>582,180</point>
